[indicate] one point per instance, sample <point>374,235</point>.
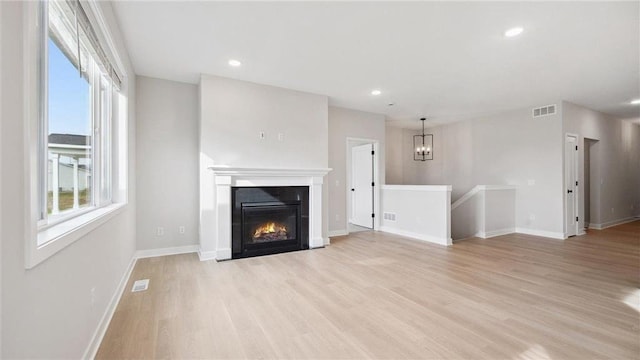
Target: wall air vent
<point>544,111</point>
<point>389,216</point>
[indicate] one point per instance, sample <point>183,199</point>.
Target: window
<point>77,84</point>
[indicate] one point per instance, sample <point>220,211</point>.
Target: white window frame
<point>60,232</point>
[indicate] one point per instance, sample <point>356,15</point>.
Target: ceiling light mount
<point>423,145</point>
<point>234,63</point>
<point>376,92</point>
<point>514,31</point>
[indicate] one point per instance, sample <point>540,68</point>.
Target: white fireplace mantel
<point>218,244</point>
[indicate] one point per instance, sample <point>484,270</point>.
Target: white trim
<point>223,254</point>
<point>219,170</point>
<point>417,236</point>
<point>500,232</point>
<point>417,187</point>
<point>334,233</point>
<point>611,223</point>
<point>206,255</point>
<point>489,234</point>
<point>176,250</point>
<point>322,241</point>
<point>541,233</point>
<point>56,238</point>
<point>103,325</point>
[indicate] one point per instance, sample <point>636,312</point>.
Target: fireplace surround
<point>216,203</point>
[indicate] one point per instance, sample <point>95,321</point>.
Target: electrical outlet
<point>160,231</point>
<point>532,217</point>
<point>613,210</point>
<point>182,229</point>
<point>337,217</point>
<point>280,137</point>
<point>531,182</point>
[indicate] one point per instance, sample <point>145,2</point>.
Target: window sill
<point>59,236</point>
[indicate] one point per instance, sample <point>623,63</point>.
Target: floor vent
<point>389,216</point>
<point>544,111</point>
<point>140,285</point>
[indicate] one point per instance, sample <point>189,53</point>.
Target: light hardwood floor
<point>375,295</point>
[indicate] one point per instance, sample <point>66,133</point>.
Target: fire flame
<point>269,228</point>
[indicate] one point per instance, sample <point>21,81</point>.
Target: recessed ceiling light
<point>513,32</point>
<point>376,92</point>
<point>635,102</point>
<point>234,63</point>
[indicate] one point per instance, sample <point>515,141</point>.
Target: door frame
<point>576,191</point>
<point>376,179</point>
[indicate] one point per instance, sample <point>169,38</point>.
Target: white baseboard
<point>542,233</point>
<point>141,254</point>
<point>500,232</point>
<point>334,233</point>
<point>417,236</point>
<point>206,255</point>
<point>609,224</point>
<point>223,254</point>
<point>103,325</point>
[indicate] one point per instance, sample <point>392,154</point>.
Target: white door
<point>571,184</point>
<point>362,185</point>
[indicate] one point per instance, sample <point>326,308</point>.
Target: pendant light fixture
<point>423,145</point>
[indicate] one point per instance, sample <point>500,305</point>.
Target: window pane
<point>69,181</point>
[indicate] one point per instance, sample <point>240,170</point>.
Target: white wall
<point>47,311</point>
<point>234,112</point>
<point>343,124</point>
<point>167,157</point>
<point>510,148</point>
<point>421,212</point>
<point>615,164</point>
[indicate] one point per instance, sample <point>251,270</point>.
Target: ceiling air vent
<point>544,111</point>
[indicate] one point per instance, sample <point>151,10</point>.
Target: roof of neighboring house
<point>69,139</point>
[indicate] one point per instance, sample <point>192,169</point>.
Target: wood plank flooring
<point>376,295</point>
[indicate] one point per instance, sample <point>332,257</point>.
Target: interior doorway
<point>571,185</point>
<point>362,184</point>
<point>589,196</point>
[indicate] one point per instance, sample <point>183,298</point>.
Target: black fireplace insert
<point>269,220</point>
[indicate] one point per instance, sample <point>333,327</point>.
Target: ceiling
<point>444,60</point>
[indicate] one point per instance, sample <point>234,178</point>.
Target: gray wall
<point>47,311</point>
<point>343,124</point>
<point>614,160</point>
<point>167,157</point>
<point>510,148</point>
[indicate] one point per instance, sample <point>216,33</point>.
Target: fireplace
<point>269,220</point>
